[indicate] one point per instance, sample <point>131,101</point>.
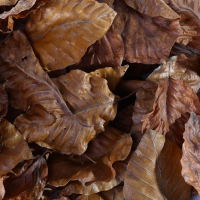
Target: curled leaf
<point>14,148</point>
<point>154,171</point>
<point>61,33</point>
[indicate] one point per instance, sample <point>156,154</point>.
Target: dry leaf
<point>28,184</point>
<point>3,102</point>
<point>8,2</point>
<point>114,194</point>
<point>190,158</point>
<point>14,149</point>
<point>48,120</point>
<point>2,189</point>
<point>147,39</point>
<point>112,75</point>
<point>96,164</point>
<point>154,171</point>
<point>107,51</point>
<point>61,33</point>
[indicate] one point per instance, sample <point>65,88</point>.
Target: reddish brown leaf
<point>190,158</point>
<point>146,39</point>
<point>28,184</point>
<point>172,99</point>
<point>14,148</point>
<point>60,39</point>
<point>48,119</point>
<point>3,102</point>
<point>96,164</point>
<point>154,171</point>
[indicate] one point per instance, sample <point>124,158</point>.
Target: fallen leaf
<point>154,171</point>
<point>114,194</point>
<point>61,33</point>
<point>48,120</point>
<point>107,51</point>
<point>14,148</point>
<point>96,164</point>
<point>147,39</point>
<point>28,184</point>
<point>190,158</point>
<point>112,75</point>
<point>2,189</point>
<point>3,102</point>
<point>8,2</point>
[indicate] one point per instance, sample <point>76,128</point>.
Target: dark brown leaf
<point>3,102</point>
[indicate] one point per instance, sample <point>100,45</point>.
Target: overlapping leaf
<point>190,159</point>
<point>14,148</point>
<point>60,33</point>
<point>29,184</point>
<point>96,164</point>
<point>154,171</point>
<point>48,120</point>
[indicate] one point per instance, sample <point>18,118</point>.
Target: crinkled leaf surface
<point>28,184</point>
<point>60,33</point>
<point>96,164</point>
<point>114,194</point>
<point>112,75</point>
<point>14,148</point>
<point>154,171</point>
<point>48,119</point>
<point>146,39</point>
<point>107,51</point>
<point>172,99</point>
<point>191,152</point>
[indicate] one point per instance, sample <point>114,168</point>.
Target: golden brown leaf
<point>190,158</point>
<point>3,102</point>
<point>28,184</point>
<point>172,99</point>
<point>107,51</point>
<point>145,96</point>
<point>114,194</point>
<point>96,164</point>
<point>8,2</point>
<point>61,33</point>
<point>154,171</point>
<point>48,119</point>
<point>112,75</point>
<point>14,149</point>
<point>146,39</point>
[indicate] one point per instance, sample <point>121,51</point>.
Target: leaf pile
<point>99,99</point>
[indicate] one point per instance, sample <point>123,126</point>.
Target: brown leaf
<point>172,99</point>
<point>153,8</point>
<point>190,158</point>
<point>145,96</point>
<point>154,171</point>
<point>147,39</point>
<point>107,51</point>
<point>112,75</point>
<point>2,189</point>
<point>8,2</point>
<point>114,194</point>
<point>3,102</point>
<point>14,149</point>
<point>28,184</point>
<point>96,164</point>
<point>48,120</point>
<point>60,39</point>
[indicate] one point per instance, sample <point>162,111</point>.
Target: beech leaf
<point>14,148</point>
<point>61,33</point>
<point>48,120</point>
<point>154,171</point>
<point>190,158</point>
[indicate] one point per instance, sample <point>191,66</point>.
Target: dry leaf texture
<point>14,148</point>
<point>154,171</point>
<point>95,164</point>
<point>8,2</point>
<point>60,33</point>
<point>191,152</point>
<point>146,39</point>
<point>48,120</point>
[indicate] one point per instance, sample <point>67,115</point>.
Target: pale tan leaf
<point>8,2</point>
<point>60,33</point>
<point>154,171</point>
